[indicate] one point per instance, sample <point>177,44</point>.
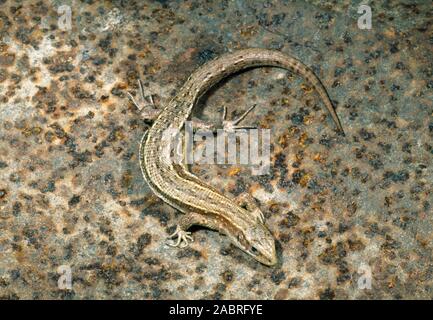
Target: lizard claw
<point>183,237</point>
<point>232,125</point>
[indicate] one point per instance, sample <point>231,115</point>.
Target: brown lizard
<point>240,219</point>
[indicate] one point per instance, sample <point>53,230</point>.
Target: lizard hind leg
<point>183,236</point>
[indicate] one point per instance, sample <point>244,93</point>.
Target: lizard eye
<point>254,250</point>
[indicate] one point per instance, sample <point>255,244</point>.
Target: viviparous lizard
<point>240,219</point>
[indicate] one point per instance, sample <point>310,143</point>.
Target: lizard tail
<point>230,63</point>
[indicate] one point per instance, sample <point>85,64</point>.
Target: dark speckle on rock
<point>206,55</point>
<point>74,200</point>
<point>366,135</point>
<point>228,276</point>
<point>143,241</point>
<point>50,186</point>
<point>399,176</point>
<point>278,276</point>
<point>187,253</point>
<point>297,118</point>
<point>327,294</point>
<point>97,61</point>
<point>290,220</point>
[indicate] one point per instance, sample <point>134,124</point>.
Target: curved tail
<point>215,70</point>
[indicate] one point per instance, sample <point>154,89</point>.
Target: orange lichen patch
<point>152,69</point>
<point>111,107</point>
<point>299,156</point>
<point>306,234</point>
<point>317,206</point>
<point>31,131</point>
<point>308,119</point>
<point>119,135</point>
<point>302,139</point>
<point>264,125</point>
<point>389,33</point>
<point>293,131</point>
<point>306,88</point>
<point>234,171</point>
<point>304,180</point>
<point>392,281</point>
<point>125,212</point>
<point>254,187</point>
<point>319,158</point>
<point>267,120</point>
<point>285,102</point>
<point>121,85</point>
<point>283,140</point>
<point>273,206</point>
<point>248,31</point>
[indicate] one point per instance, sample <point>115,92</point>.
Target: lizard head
<point>257,241</point>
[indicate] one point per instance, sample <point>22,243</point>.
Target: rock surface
<point>341,208</point>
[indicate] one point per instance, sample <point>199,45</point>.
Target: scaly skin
<point>201,203</point>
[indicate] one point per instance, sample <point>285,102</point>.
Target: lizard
<point>240,218</point>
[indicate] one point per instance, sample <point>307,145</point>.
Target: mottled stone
<point>71,190</point>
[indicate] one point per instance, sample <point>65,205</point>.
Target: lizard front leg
<point>147,110</point>
<point>246,201</point>
<point>185,222</point>
<point>228,125</point>
<point>232,125</point>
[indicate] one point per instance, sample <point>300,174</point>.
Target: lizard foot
<point>228,125</point>
<point>231,125</point>
<point>147,110</point>
<point>182,238</point>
